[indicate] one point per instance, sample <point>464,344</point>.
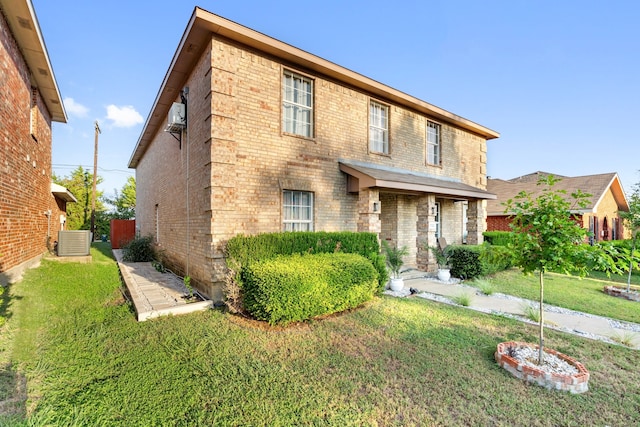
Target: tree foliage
<point>80,184</point>
<point>546,237</point>
<point>124,201</point>
<point>632,221</point>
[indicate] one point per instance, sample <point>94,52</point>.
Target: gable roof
<point>596,185</point>
<point>203,25</point>
<point>24,26</point>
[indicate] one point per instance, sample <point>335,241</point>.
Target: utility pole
<point>95,179</point>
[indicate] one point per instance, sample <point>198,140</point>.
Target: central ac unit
<point>74,242</point>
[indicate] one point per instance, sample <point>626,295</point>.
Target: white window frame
<point>378,127</point>
<point>465,221</point>
<point>437,220</point>
<point>297,104</point>
<point>297,210</point>
<point>434,146</point>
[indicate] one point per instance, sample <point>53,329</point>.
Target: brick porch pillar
<point>426,229</point>
<point>476,221</point>
<point>369,211</point>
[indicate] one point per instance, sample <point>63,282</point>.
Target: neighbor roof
<point>198,33</point>
<point>24,26</point>
<point>596,185</point>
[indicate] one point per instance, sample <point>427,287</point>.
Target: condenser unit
<point>74,242</point>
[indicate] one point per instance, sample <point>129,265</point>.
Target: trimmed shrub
<point>497,238</point>
<point>138,250</point>
<point>495,258</point>
<point>243,250</point>
<point>465,261</point>
<point>293,288</point>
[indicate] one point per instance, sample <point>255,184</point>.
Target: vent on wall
<point>74,242</point>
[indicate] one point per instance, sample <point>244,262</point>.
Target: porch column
<point>476,221</point>
<point>426,229</point>
<point>369,211</point>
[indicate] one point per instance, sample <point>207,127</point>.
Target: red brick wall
<point>498,223</point>
<point>25,161</point>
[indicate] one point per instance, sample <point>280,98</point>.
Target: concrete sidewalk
<point>153,293</point>
<point>565,320</point>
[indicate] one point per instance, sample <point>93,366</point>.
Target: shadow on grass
<point>104,248</point>
<point>13,385</point>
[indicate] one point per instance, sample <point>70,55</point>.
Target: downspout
<point>184,95</point>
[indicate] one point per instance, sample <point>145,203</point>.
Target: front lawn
<point>395,361</point>
<point>567,291</point>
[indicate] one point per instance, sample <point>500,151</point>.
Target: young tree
<point>632,221</point>
<point>546,237</point>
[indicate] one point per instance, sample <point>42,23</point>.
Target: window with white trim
<point>433,143</point>
<point>378,128</point>
<point>437,219</point>
<point>297,104</point>
<point>297,207</point>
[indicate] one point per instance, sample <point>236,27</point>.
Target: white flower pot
<point>396,285</point>
<point>444,274</point>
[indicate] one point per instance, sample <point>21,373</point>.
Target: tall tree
<point>125,200</point>
<point>546,237</point>
<point>79,183</point>
<point>632,221</point>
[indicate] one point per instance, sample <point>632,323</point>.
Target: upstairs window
<point>378,128</point>
<point>297,209</point>
<point>297,104</point>
<point>433,143</point>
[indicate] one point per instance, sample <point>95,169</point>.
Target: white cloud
<point>75,108</point>
<point>123,117</point>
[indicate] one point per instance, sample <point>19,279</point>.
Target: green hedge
<point>244,250</point>
<point>497,238</point>
<point>298,287</point>
<point>468,262</point>
<point>465,261</point>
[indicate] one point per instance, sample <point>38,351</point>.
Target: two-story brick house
<point>32,209</point>
<point>279,139</point>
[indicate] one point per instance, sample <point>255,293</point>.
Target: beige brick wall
<point>240,161</point>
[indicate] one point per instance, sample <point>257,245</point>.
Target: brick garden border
<point>615,291</point>
<point>575,384</point>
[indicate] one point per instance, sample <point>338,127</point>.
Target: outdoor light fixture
<point>376,206</point>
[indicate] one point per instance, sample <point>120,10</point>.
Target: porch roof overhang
<point>405,181</point>
<point>62,193</point>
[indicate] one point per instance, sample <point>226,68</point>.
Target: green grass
<point>567,291</point>
<point>394,362</point>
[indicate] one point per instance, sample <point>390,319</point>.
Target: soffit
<point>24,26</point>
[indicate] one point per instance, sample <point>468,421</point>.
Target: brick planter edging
<point>622,293</point>
<point>575,384</point>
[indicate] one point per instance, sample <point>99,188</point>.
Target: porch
<point>406,208</point>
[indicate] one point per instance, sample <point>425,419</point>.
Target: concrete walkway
<point>582,324</point>
<point>153,293</point>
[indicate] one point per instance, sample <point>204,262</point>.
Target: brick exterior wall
<point>240,161</point>
<point>25,165</point>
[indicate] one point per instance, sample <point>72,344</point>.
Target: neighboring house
<point>600,216</point>
<point>30,206</point>
<point>277,139</point>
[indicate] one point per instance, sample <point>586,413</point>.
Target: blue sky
<point>558,79</point>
